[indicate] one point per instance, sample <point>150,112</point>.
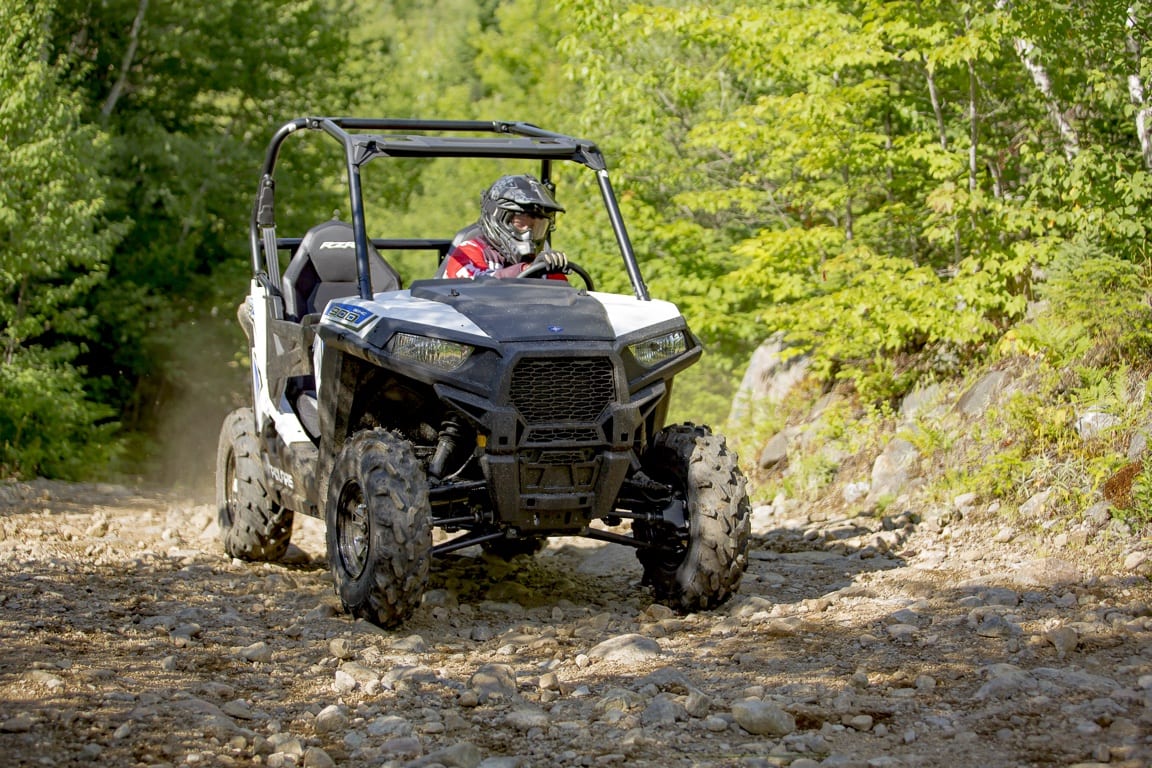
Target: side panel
<point>267,393</point>
<point>290,453</point>
<point>335,383</point>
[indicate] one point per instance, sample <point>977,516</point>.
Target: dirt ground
<point>127,637</point>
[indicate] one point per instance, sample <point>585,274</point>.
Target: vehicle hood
<point>487,311</point>
<point>522,310</point>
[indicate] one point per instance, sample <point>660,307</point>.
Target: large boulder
<point>771,374</point>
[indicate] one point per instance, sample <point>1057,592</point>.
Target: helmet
<point>517,194</point>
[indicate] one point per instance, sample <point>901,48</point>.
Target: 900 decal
<point>348,315</point>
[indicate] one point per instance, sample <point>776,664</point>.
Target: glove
<point>555,260</point>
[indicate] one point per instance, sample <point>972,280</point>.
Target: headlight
<point>652,352</point>
<point>445,355</point>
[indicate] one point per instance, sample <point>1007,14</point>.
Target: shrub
<point>47,426</point>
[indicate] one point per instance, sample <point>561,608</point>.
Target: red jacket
<point>475,256</point>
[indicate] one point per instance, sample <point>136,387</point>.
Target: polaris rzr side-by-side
<point>498,412</point>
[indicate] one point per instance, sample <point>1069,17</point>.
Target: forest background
<point>900,190</point>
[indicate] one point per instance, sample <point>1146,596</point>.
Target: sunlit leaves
<point>879,175</point>
<point>54,249</point>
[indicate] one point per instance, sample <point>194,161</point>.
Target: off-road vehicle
<point>498,412</point>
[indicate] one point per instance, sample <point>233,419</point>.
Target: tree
<point>879,180</point>
<point>188,95</point>
<point>54,250</point>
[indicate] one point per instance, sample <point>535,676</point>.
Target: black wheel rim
<point>352,530</point>
<point>231,491</point>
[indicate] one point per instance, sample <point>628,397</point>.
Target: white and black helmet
<point>517,194</point>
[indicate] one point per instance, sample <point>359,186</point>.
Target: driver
<point>517,213</point>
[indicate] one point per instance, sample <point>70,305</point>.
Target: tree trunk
<point>1043,82</point>
<point>997,178</point>
<point>849,222</point>
<point>973,127</point>
<point>126,63</point>
<point>13,343</point>
<point>934,95</point>
<point>1137,92</point>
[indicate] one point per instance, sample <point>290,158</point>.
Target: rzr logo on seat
<point>338,245</point>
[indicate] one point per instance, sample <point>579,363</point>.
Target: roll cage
<point>365,139</point>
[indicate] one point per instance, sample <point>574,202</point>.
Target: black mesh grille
<point>564,389</point>
<point>564,435</point>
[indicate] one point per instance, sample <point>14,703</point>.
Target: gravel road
<point>929,638</point>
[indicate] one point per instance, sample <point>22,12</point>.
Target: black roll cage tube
<point>515,140</point>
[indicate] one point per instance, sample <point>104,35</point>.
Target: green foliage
<point>703,393</point>
<point>1138,512</point>
<point>1079,326</point>
<point>54,252</point>
<point>1036,420</point>
<point>48,426</point>
<point>854,309</point>
<point>880,179</point>
<point>488,65</point>
<point>54,249</point>
<point>1033,441</point>
<point>781,159</point>
<point>187,96</point>
<point>886,183</point>
<point>839,438</point>
<point>810,475</point>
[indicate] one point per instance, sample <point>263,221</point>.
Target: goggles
<point>535,221</point>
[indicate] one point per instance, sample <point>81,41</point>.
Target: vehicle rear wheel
<point>699,567</point>
<point>379,531</point>
<point>252,525</point>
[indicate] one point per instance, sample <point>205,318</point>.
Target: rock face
<point>892,470</point>
<point>770,376</point>
<point>924,638</point>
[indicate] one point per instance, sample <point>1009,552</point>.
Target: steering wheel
<point>536,269</point>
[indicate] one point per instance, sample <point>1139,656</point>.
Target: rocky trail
<point>927,638</point>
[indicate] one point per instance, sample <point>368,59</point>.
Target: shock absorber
<point>445,446</point>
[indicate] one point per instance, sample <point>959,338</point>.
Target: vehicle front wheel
<point>379,530</point>
<point>698,567</point>
<point>252,525</point>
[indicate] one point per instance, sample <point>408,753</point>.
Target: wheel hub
<point>232,483</point>
<point>353,532</point>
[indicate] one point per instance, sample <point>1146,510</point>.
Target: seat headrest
<point>332,247</point>
<point>327,257</point>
